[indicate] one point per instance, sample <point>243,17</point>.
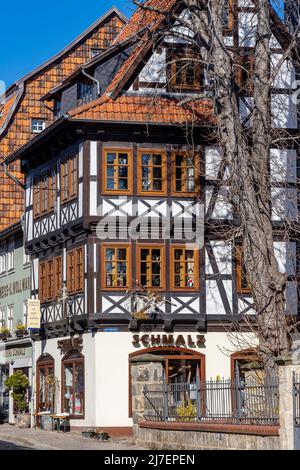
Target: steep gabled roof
<point>15,88</point>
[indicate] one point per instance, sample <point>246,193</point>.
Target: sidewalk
<point>47,440</point>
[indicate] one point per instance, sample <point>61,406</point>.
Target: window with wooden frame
<point>185,72</point>
<point>151,267</point>
<point>117,266</point>
<point>45,389</point>
<point>44,193</point>
<point>52,188</point>
<point>184,268</point>
<point>242,280</point>
<point>36,197</point>
<point>117,170</point>
<point>227,16</point>
<point>152,172</point>
<point>43,282</point>
<point>185,173</point>
<point>245,73</point>
<point>75,271</point>
<point>73,388</point>
<point>69,179</point>
<point>50,279</point>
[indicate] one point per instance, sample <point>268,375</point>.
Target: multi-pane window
<point>2,258</point>
<point>184,268</point>
<point>44,193</point>
<point>185,73</point>
<point>73,385</point>
<point>75,271</point>
<point>117,170</point>
<point>45,385</point>
<point>10,317</point>
<point>38,125</point>
<point>151,267</point>
<point>117,266</point>
<point>184,173</point>
<point>50,279</point>
<point>152,166</point>
<point>11,255</point>
<point>69,178</point>
<point>85,92</point>
<point>242,280</point>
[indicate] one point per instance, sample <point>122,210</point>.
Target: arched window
<point>46,389</point>
<point>73,385</point>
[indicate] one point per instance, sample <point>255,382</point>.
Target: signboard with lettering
<point>34,314</point>
<point>179,341</point>
<point>15,287</point>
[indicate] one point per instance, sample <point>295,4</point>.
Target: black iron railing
<point>251,402</point>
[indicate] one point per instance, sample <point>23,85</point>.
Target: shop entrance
<point>180,365</point>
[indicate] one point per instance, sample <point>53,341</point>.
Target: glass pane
<point>144,254</point>
<point>122,253</point>
<point>79,389</point>
<point>123,171</point>
<point>179,160</point>
<point>123,159</point>
<point>68,389</point>
<point>156,268</point>
<point>156,255</point>
<point>157,185</point>
<point>143,280</point>
<point>178,185</point>
<point>146,159</point>
<point>109,253</point>
<point>123,184</point>
<point>110,184</point>
<point>156,280</point>
<point>157,159</point>
<point>121,278</point>
<point>143,268</point>
<point>110,171</point>
<point>111,157</point>
<point>189,255</point>
<point>190,185</point>
<point>177,281</point>
<point>157,173</point>
<point>177,254</point>
<point>177,268</point>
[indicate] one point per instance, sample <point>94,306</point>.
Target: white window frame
<point>26,258</point>
<point>3,264</point>
<point>11,255</point>
<point>10,317</point>
<point>2,317</point>
<point>38,125</point>
<point>25,313</point>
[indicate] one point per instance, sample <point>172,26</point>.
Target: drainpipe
<point>94,80</point>
<point>12,177</point>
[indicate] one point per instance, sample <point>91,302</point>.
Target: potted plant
<point>18,384</point>
<point>20,329</point>
<point>4,333</point>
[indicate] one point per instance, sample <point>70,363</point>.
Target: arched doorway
<point>180,364</point>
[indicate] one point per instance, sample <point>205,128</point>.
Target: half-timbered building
<point>102,181</point>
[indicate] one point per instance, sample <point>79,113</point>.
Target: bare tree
<point>246,141</point>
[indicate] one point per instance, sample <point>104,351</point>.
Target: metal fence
<point>221,401</point>
<point>296,398</point>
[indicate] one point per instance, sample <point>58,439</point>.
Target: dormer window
<point>184,72</point>
<point>85,92</point>
<point>95,51</point>
<point>38,125</point>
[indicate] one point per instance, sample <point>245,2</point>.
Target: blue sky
<point>32,31</point>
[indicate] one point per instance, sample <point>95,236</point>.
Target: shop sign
<point>17,353</point>
<point>178,341</point>
<point>15,287</point>
<point>34,314</point>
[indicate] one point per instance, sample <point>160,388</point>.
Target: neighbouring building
<point>124,158</point>
<point>15,342</point>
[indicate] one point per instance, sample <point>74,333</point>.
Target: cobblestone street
<point>12,438</point>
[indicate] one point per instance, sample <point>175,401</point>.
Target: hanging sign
<point>34,314</point>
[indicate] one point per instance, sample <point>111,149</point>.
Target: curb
<point>28,442</point>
